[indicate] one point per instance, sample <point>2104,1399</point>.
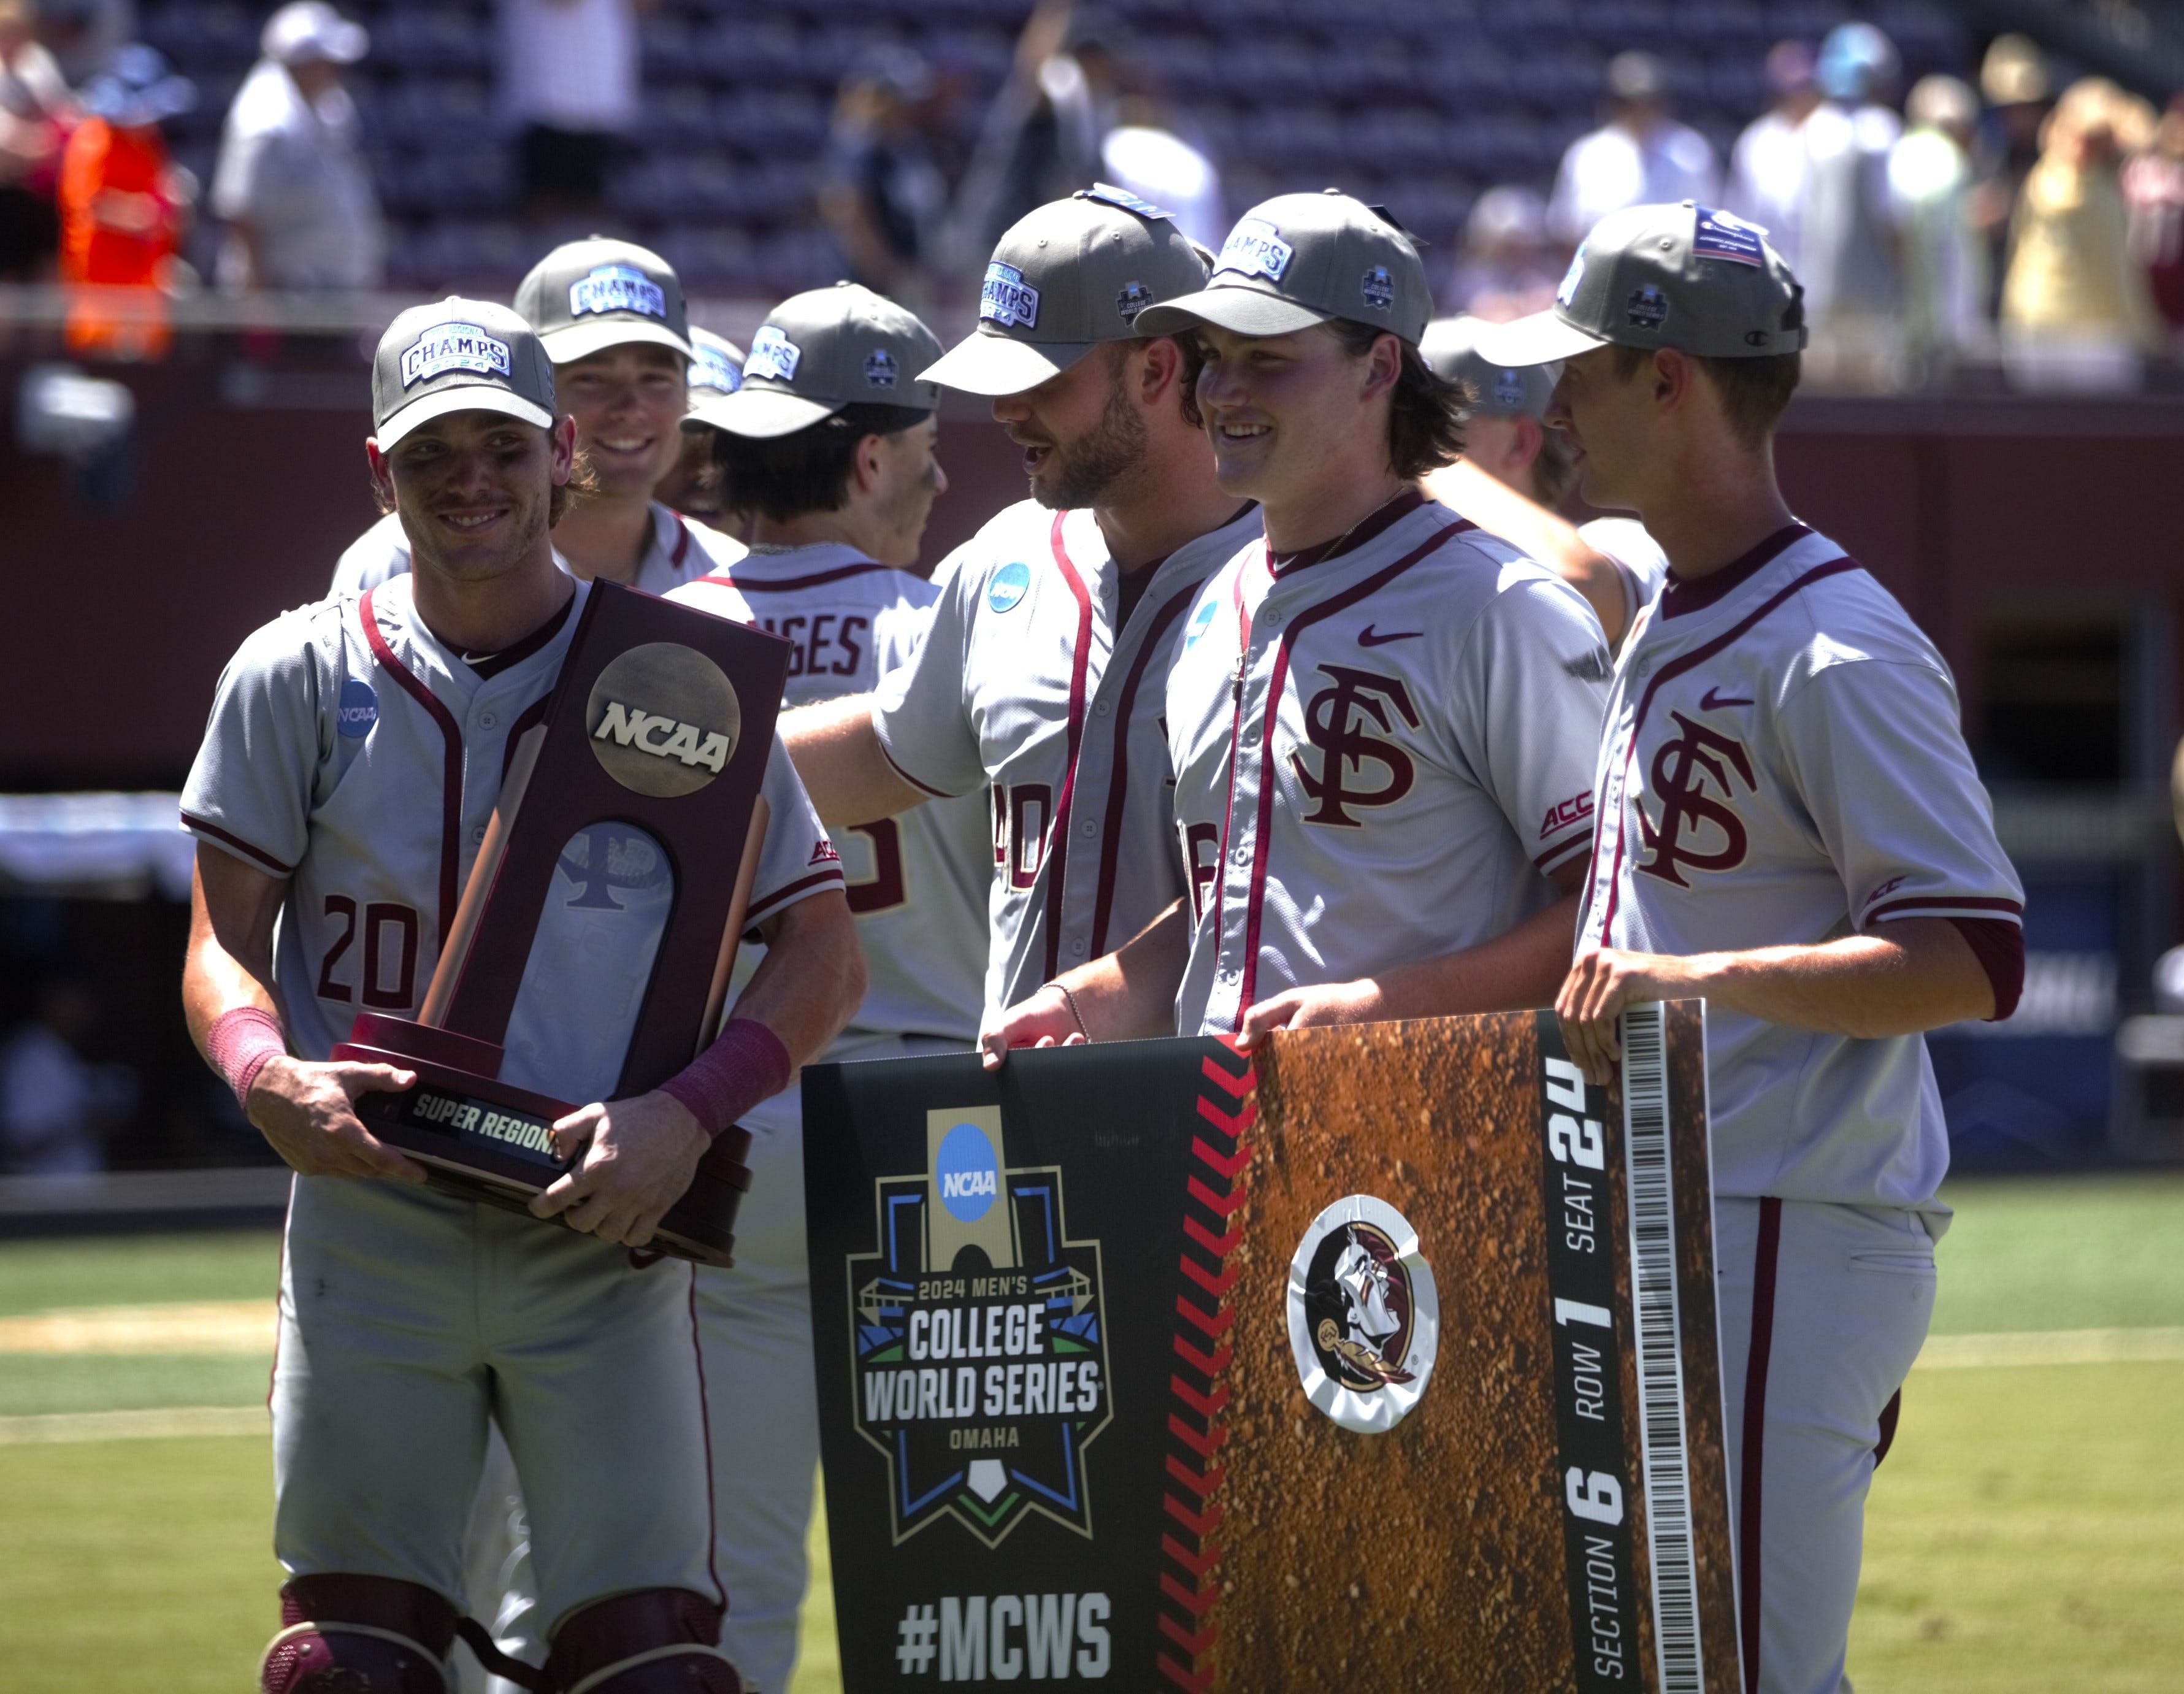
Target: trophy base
<point>483,1139</point>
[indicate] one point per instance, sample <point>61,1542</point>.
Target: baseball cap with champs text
<point>1685,277</point>
<point>1300,259</point>
<point>818,352</point>
<point>588,295</point>
<point>458,355</point>
<point>1063,279</point>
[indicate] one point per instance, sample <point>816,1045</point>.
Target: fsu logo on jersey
<point>1339,720</point>
<point>1696,829</point>
<point>1364,1314</point>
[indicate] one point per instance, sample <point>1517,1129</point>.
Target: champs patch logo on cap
<point>1255,247</point>
<point>1722,235</point>
<point>1007,299</point>
<point>1508,389</point>
<point>1378,288</point>
<point>617,288</point>
<point>773,354</point>
<point>880,369</point>
<point>1647,307</point>
<point>713,369</point>
<point>453,347</point>
<point>1132,298</point>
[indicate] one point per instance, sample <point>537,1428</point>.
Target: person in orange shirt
<point>123,207</point>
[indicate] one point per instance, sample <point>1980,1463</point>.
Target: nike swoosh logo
<point>1710,701</point>
<point>1369,637</point>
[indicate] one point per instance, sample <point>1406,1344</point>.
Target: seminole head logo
<point>1364,1314</point>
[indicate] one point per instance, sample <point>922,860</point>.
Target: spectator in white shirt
<point>291,184</point>
<point>1640,157</point>
<point>1766,183</point>
<point>569,84</point>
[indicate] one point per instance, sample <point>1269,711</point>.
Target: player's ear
<point>1671,375</point>
<point>1383,365</point>
<point>1531,437</point>
<point>563,440</point>
<point>383,478</point>
<point>1160,370</point>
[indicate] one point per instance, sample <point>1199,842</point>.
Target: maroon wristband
<point>239,1043</point>
<point>745,1065</point>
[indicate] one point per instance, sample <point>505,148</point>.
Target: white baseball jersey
<point>1784,766</point>
<point>1638,561</point>
<point>1380,754</point>
<point>680,552</point>
<point>1026,685</point>
<point>353,752</point>
<point>917,883</point>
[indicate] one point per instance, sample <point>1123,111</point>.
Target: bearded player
<point>1382,720</point>
<point>354,757</point>
<point>612,318</point>
<point>827,454</point>
<point>1790,828</point>
<point>1041,680</point>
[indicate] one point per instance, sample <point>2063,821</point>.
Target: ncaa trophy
<point>620,856</point>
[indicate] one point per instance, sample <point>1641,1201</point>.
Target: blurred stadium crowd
<point>1952,199</point>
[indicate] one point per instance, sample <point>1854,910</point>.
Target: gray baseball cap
<point>458,355</point>
<point>1299,259</point>
<point>716,364</point>
<point>818,352</point>
<point>1685,276</point>
<point>1450,346</point>
<point>594,293</point>
<point>1066,277</point>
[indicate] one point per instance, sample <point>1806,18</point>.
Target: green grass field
<point>2024,1534</point>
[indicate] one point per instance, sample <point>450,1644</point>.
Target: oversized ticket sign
<point>599,925</point>
<point>1387,1360</point>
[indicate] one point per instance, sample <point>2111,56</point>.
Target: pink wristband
<point>745,1065</point>
<point>239,1043</point>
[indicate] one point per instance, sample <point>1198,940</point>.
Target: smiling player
<point>354,754</point>
<point>1383,720</point>
<point>1791,828</point>
<point>1041,679</point>
<point>612,319</point>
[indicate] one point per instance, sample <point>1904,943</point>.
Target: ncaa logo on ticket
<point>617,288</point>
<point>1255,247</point>
<point>773,354</point>
<point>453,347</point>
<point>1007,299</point>
<point>967,1173</point>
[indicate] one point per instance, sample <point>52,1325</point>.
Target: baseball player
<point>354,754</point>
<point>828,454</point>
<point>1382,720</point>
<point>1517,470</point>
<point>1042,678</point>
<point>612,318</point>
<point>1791,828</point>
<point>716,368</point>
